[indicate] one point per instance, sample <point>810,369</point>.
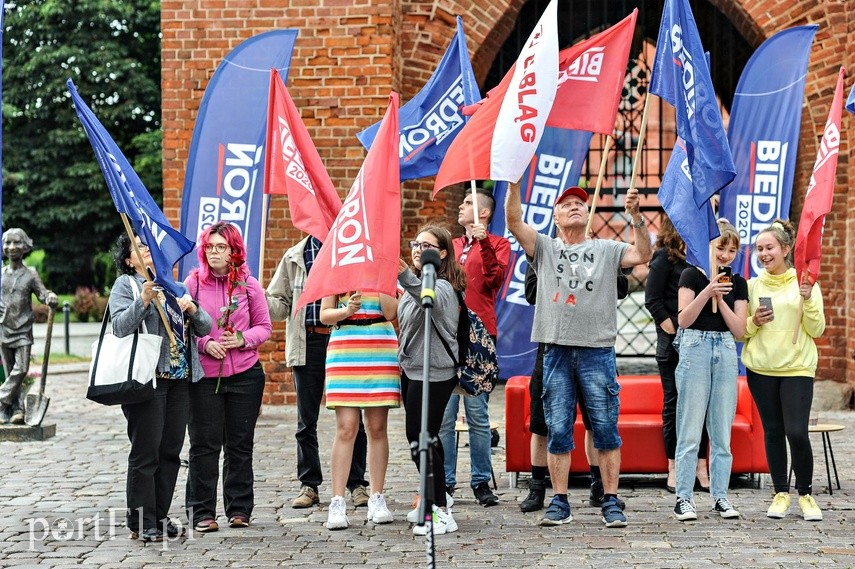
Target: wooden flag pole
<point>713,275</point>
<point>797,328</point>
<point>600,176</point>
<point>139,256</point>
<point>642,132</point>
<point>475,217</point>
<point>264,203</point>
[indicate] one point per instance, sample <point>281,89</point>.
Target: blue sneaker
<point>557,513</point>
<point>612,513</point>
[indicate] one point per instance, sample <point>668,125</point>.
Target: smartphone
<point>766,302</point>
<point>728,274</point>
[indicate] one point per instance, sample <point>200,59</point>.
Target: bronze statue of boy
<point>19,283</point>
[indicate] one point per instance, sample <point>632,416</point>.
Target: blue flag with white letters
<point>765,122</point>
<point>696,226</point>
<point>431,119</point>
<point>850,101</point>
<point>557,164</point>
<point>681,77</point>
<point>131,197</point>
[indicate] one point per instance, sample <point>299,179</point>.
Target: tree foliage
<point>52,185</point>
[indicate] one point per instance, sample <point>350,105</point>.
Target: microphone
<point>430,264</point>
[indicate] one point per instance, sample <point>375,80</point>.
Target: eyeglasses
<point>219,248</point>
<point>142,247</point>
<point>423,245</point>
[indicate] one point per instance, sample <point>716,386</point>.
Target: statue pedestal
<point>25,433</point>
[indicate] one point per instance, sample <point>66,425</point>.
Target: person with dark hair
<point>225,404</point>
<point>660,299</point>
<point>156,427</point>
<point>576,316</point>
<point>780,372</point>
<point>20,283</point>
<point>485,259</point>
<point>450,279</point>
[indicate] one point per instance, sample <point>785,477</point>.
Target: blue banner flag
<point>765,120</point>
<point>557,164</point>
<point>697,226</point>
<point>225,167</point>
<point>850,101</point>
<point>1,130</point>
<point>131,197</point>
<point>431,119</point>
<point>681,77</point>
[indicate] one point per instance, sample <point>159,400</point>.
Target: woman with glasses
<point>450,279</point>
<point>361,378</point>
<point>225,404</point>
<point>155,427</point>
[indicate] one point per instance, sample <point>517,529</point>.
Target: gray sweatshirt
<point>411,320</point>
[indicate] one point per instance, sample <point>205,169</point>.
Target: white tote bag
<point>123,370</point>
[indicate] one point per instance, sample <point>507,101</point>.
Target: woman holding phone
<point>780,372</point>
<point>711,312</point>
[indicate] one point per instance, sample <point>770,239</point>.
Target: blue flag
<point>850,101</point>
<point>433,118</point>
<point>557,164</point>
<point>131,197</point>
<point>1,130</point>
<point>225,167</point>
<point>765,121</point>
<point>681,77</point>
<point>697,226</point>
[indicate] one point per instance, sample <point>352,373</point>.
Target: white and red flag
<point>293,166</point>
<point>363,246</point>
<point>808,249</point>
<point>499,141</point>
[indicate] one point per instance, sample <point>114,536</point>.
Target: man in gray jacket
<point>306,340</point>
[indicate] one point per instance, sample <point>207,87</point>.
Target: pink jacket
<point>251,317</point>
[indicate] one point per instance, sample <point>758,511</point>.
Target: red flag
<point>808,249</point>
<point>590,80</point>
<point>363,246</point>
<point>293,166</point>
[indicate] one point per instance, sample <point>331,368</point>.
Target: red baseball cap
<point>573,191</point>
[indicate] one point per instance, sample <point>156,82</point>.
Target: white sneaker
<point>378,512</point>
<point>413,515</point>
<point>443,522</point>
<point>337,517</point>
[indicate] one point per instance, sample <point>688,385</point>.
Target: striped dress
<point>362,361</point>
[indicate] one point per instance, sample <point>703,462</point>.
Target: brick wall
<point>350,53</point>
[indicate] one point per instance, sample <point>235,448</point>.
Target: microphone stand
<point>426,444</point>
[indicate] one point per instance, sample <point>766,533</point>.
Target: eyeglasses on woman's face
<point>422,245</point>
<point>219,248</point>
<point>142,247</point>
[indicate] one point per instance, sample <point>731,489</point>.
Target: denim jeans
<point>478,419</point>
<point>706,385</point>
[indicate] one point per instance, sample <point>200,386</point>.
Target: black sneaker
<point>174,529</point>
<point>685,510</point>
<point>484,495</point>
<point>536,496</point>
<point>598,496</point>
<point>725,509</point>
<point>152,535</point>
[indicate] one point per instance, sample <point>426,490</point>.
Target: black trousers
<point>784,406</point>
<point>667,359</point>
<point>156,431</point>
<point>309,385</point>
<point>438,396</point>
<point>223,421</point>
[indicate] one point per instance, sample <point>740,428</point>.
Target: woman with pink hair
<point>225,403</point>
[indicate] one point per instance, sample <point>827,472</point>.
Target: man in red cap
<point>576,317</point>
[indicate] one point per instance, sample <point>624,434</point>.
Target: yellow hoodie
<point>769,349</point>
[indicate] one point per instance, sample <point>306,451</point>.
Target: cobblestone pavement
<point>63,499</point>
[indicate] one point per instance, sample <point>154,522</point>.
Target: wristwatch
<point>640,223</point>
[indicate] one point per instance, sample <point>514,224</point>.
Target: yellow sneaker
<point>780,505</point>
<point>810,511</point>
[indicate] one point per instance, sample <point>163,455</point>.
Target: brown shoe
<point>239,521</point>
<point>207,525</point>
<point>359,496</point>
<point>307,498</point>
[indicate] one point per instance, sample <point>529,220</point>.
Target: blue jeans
<point>706,385</point>
<point>478,419</point>
<point>591,370</point>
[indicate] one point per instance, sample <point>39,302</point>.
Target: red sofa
<point>640,426</point>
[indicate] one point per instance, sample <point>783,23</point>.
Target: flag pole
<point>600,176</point>
<point>475,217</point>
<point>797,328</point>
<point>139,257</point>
<point>260,274</point>
<point>642,132</point>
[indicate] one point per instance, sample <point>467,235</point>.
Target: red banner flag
<point>808,248</point>
<point>292,165</point>
<point>363,246</point>
<point>590,80</point>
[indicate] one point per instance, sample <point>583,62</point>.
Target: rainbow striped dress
<point>362,361</point>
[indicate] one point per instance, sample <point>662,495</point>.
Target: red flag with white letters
<point>293,166</point>
<point>363,246</point>
<point>808,248</point>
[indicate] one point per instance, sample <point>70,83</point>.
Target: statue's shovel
<point>37,403</point>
